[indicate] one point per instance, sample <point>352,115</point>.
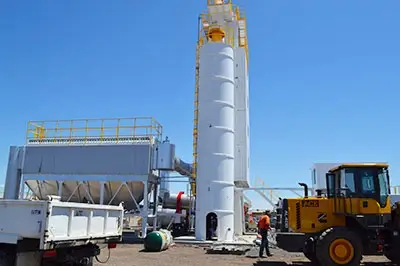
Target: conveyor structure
<point>183,168</point>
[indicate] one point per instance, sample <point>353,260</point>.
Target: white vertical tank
<point>216,118</point>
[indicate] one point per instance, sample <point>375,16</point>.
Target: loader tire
<point>339,246</point>
<point>309,251</point>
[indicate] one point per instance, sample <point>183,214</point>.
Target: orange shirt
<point>264,222</point>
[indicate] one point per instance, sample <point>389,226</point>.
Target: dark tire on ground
<point>309,251</point>
<point>334,236</point>
<point>89,263</point>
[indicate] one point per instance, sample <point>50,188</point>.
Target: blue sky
<point>324,75</point>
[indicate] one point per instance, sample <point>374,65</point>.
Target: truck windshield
<point>383,178</point>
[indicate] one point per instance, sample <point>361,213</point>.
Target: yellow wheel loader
<point>351,218</point>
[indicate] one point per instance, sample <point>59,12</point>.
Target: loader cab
<point>359,188</point>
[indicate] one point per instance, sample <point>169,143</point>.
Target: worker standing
<point>264,226</point>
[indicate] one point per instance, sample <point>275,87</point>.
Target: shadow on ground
<point>280,263</point>
<point>146,251</point>
<point>226,252</point>
<point>131,238</point>
<point>131,241</point>
<point>294,263</point>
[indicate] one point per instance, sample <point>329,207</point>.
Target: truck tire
<point>339,246</point>
<point>89,263</point>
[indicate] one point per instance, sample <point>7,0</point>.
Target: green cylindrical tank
<point>157,240</point>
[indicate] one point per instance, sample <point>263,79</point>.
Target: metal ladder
<point>195,121</point>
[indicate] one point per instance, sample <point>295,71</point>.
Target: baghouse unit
<point>102,161</point>
<point>221,133</point>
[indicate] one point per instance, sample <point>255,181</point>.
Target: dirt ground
<point>131,255</point>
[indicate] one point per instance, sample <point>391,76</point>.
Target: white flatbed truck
<point>54,233</point>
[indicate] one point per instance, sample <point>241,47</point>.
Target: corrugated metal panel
<point>88,160</point>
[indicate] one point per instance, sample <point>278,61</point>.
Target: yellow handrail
<point>207,24</point>
<point>84,130</point>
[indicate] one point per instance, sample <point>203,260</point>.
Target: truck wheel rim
<point>341,251</point>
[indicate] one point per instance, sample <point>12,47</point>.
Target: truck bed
<point>56,223</point>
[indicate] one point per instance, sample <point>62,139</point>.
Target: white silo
<point>216,139</point>
<point>221,119</point>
